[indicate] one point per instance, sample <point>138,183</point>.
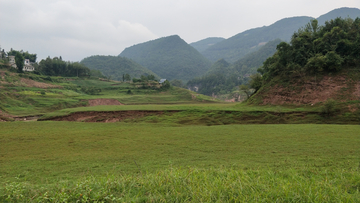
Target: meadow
<point>194,151</point>
<point>167,162</point>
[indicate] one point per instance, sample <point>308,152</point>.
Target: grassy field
<point>29,94</point>
<point>189,153</point>
<point>40,157</point>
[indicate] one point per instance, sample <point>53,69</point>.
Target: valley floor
<point>122,161</point>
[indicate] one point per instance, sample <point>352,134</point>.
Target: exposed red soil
<point>4,116</point>
<point>97,102</point>
<point>106,117</point>
<point>312,92</point>
<point>32,83</point>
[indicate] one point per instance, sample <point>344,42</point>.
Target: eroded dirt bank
<point>312,91</point>
<point>108,116</point>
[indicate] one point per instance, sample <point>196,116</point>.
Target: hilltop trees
<point>26,55</point>
<point>315,49</point>
<point>116,67</point>
<point>58,67</point>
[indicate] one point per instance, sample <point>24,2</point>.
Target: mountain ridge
<point>237,46</point>
<point>170,57</point>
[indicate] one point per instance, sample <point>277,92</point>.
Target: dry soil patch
<point>32,83</point>
<point>97,102</point>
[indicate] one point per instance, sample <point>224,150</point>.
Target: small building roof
<point>162,80</point>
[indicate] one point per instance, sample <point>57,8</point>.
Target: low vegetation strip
<point>106,117</point>
<point>206,117</point>
<point>190,184</point>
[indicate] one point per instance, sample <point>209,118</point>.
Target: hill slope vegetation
<point>169,57</point>
<point>318,64</point>
<point>116,66</point>
<point>224,77</point>
<point>236,47</point>
<point>202,45</point>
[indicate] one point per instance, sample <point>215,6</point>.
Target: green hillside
<point>223,78</point>
<point>252,61</point>
<point>169,57</point>
<point>319,63</point>
<point>116,66</point>
<point>202,45</point>
<point>219,67</point>
<point>236,47</point>
<point>339,13</point>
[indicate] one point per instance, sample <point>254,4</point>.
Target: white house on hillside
<point>27,64</point>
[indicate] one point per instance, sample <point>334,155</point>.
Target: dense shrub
<point>317,49</point>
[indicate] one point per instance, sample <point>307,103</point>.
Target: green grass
<point>199,106</point>
<point>48,151</point>
<point>199,185</point>
<point>156,162</point>
<point>20,100</point>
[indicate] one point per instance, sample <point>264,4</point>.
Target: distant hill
<point>248,64</point>
<point>169,57</point>
<point>252,61</point>
<point>340,12</point>
<point>206,43</point>
<point>116,66</point>
<point>222,77</point>
<point>219,67</point>
<point>238,46</point>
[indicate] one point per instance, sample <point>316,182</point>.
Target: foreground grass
<point>122,162</point>
<point>47,152</point>
<point>196,185</point>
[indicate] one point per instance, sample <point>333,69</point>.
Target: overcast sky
<point>75,29</point>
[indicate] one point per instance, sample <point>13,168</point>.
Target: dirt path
<point>97,102</point>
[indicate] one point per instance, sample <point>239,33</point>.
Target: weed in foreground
<point>198,185</point>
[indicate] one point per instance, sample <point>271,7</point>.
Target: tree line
<point>57,67</point>
<point>316,49</point>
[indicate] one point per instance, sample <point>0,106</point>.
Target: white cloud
<point>74,32</point>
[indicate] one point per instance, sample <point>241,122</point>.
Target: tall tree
<point>19,61</point>
<point>127,77</point>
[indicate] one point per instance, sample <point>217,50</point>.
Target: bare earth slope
<point>310,91</point>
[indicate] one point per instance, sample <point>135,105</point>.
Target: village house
<point>27,64</point>
<point>162,81</point>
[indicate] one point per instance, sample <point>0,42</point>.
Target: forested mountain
<point>206,43</point>
<point>339,13</point>
<point>236,47</point>
<point>169,57</point>
<point>252,61</point>
<point>116,66</point>
<point>319,63</point>
<point>223,77</point>
<point>219,67</point>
